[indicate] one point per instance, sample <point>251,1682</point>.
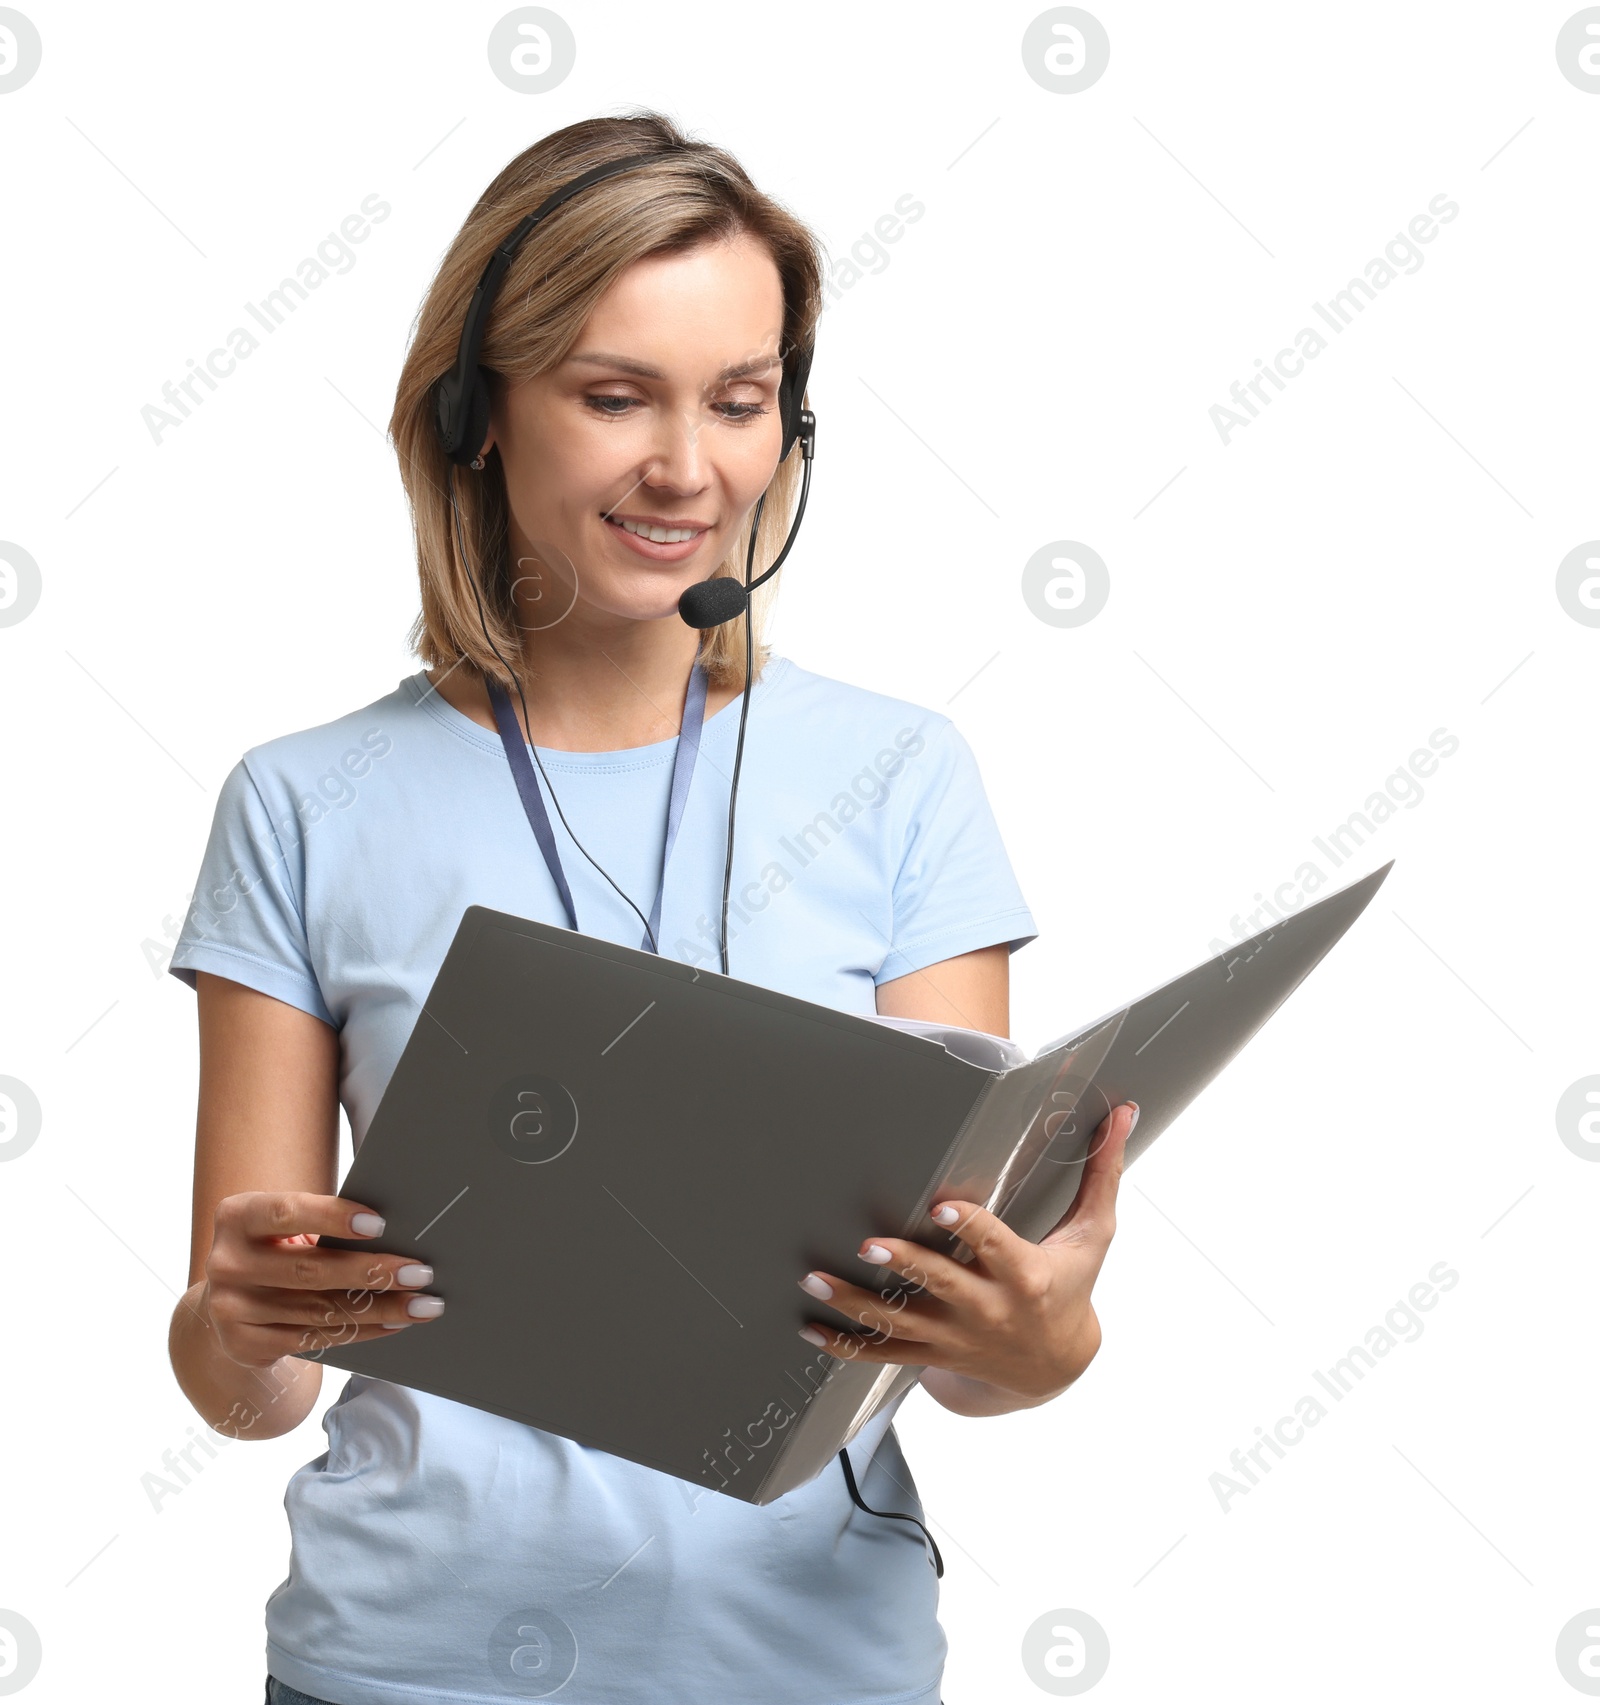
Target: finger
<point>367,1308</point>
<point>902,1315</point>
<point>290,1213</point>
<point>939,1275</point>
<point>261,1346</point>
<point>1096,1200</point>
<point>296,1264</point>
<point>341,1310</point>
<point>312,1342</point>
<point>305,1267</point>
<point>997,1251</point>
<point>853,1347</point>
<point>269,1238</point>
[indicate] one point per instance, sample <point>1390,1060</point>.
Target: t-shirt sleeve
<point>955,889</point>
<point>247,919</point>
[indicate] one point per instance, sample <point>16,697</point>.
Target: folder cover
<point>619,1166</point>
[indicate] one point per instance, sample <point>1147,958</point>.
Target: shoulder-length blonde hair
<point>695,194</point>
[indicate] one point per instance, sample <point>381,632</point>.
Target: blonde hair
<point>559,274</point>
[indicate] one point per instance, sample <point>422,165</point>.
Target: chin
<point>648,598</point>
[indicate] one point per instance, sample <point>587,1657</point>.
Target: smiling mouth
<point>656,535</point>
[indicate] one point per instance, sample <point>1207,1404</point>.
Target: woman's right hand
<point>272,1292</point>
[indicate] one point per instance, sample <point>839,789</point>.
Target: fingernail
<point>875,1252</point>
<point>414,1273</point>
<point>366,1225</point>
<point>819,1288</point>
<point>945,1216</point>
<point>425,1308</point>
<point>813,1336</point>
<point>1135,1106</point>
<point>395,1325</point>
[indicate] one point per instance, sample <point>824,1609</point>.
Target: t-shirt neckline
<point>625,757</point>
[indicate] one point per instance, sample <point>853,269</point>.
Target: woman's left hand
<point>1018,1316</point>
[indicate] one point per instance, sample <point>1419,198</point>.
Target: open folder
<point>620,1166</point>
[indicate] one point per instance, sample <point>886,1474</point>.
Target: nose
<point>679,458</point>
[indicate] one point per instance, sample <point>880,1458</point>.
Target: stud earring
<point>477,461</point>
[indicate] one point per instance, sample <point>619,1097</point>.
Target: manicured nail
<point>813,1336</point>
<point>395,1325</point>
<point>366,1225</point>
<point>945,1216</point>
<point>414,1273</point>
<point>425,1308</point>
<point>1135,1106</point>
<point>875,1252</point>
<point>818,1287</point>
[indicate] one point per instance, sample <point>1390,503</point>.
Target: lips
<point>650,549</point>
<point>647,526</point>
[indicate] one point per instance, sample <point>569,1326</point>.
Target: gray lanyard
<point>694,712</point>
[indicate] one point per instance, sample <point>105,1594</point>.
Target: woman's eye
<point>734,412</point>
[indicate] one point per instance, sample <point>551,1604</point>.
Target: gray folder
<point>619,1167</point>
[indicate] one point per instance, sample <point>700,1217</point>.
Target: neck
<point>600,686</point>
<point>594,684</point>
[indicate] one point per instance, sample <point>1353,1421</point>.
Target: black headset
<point>461,414</point>
<point>461,400</point>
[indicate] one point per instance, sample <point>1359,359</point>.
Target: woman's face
<point>664,415</point>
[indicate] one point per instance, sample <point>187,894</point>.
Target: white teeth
<point>659,535</point>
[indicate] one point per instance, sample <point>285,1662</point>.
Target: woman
<point>636,353</point>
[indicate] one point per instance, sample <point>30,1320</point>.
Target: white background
<point>1290,615</point>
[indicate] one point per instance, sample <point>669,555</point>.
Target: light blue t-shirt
<point>440,1553</point>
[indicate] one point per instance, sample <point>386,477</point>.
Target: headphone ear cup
<point>473,409</point>
<point>477,417</point>
<point>791,398</point>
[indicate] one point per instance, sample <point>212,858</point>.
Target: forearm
<point>241,1402</point>
<point>975,1397</point>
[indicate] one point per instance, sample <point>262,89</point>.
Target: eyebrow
<point>643,370</point>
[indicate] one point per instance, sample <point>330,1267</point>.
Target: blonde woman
<point>634,439</point>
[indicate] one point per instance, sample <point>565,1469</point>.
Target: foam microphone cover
<point>710,603</point>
